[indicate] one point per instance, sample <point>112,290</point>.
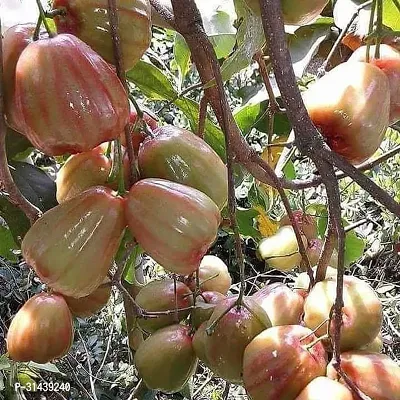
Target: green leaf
<point>15,219</point>
<point>304,44</point>
<point>354,248</point>
<point>182,57</point>
<point>7,244</point>
<point>48,367</point>
<point>26,380</point>
<point>17,145</point>
<point>5,364</point>
<point>245,220</point>
<point>391,15</point>
<point>34,184</point>
<point>250,39</point>
<point>152,82</point>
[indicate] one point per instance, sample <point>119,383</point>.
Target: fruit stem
<point>370,28</point>
<point>315,330</point>
<point>140,123</point>
<point>326,254</point>
<point>322,68</point>
<point>379,28</point>
<point>43,18</point>
<point>37,29</point>
<point>316,341</point>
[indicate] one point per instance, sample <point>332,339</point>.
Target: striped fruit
<point>71,247</point>
<point>41,330</point>
<point>174,224</point>
<point>15,41</point>
<point>181,156</point>
<point>89,21</point>
<point>70,98</point>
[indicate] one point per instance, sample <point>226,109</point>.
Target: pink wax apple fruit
<point>175,224</point>
<point>323,388</point>
<point>279,363</point>
<point>90,109</point>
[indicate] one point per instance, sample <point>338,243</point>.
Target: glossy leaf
<point>7,244</point>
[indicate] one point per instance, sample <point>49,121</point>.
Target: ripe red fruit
<point>138,136</point>
<point>306,223</point>
<point>376,375</point>
<point>160,296</point>
<point>71,247</point>
<point>389,63</point>
<point>225,347</point>
<point>282,305</point>
<point>199,343</point>
<point>278,365</point>
<point>174,224</point>
<point>180,156</point>
<point>82,171</point>
<point>350,107</point>
<point>15,41</point>
<point>89,20</point>
<point>362,311</point>
<point>89,305</point>
<point>41,330</point>
<point>166,360</point>
<point>323,388</point>
<point>90,109</point>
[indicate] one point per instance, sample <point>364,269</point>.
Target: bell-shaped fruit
<point>314,251</point>
<point>323,388</point>
<point>166,360</point>
<point>180,156</point>
<point>89,20</point>
<point>281,250</point>
<point>302,281</point>
<point>89,305</point>
<point>281,361</point>
<point>160,296</point>
<point>295,12</point>
<point>306,223</point>
<point>350,107</point>
<point>71,247</point>
<point>205,305</point>
<point>233,332</point>
<point>362,311</point>
<point>199,343</point>
<point>175,224</point>
<point>82,171</point>
<point>389,63</point>
<point>376,375</point>
<point>282,305</point>
<point>15,41</point>
<point>90,109</point>
<point>137,135</point>
<point>214,275</point>
<point>41,330</point>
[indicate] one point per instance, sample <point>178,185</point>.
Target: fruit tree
<point>200,199</point>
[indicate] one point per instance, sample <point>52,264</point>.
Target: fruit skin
<point>71,247</point>
<point>199,345</point>
<point>376,375</point>
<point>15,41</point>
<point>362,311</point>
<point>225,347</point>
<point>354,117</point>
<point>323,388</point>
<point>302,281</point>
<point>314,251</point>
<point>205,306</point>
<point>180,156</point>
<point>213,275</point>
<point>277,365</point>
<point>174,224</point>
<point>89,21</point>
<point>282,305</point>
<point>389,63</point>
<point>92,107</point>
<point>160,296</point>
<point>376,346</point>
<point>295,12</point>
<point>281,250</point>
<point>138,136</point>
<point>166,360</point>
<point>41,330</point>
<point>306,223</point>
<point>82,171</point>
<point>89,305</point>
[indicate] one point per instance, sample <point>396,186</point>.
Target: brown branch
<point>119,65</point>
<point>8,187</point>
<point>327,251</point>
<point>202,116</point>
